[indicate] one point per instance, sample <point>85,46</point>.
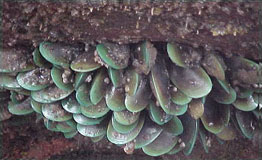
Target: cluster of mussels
<point>158,97</point>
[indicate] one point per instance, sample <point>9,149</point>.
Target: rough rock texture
<point>230,27</point>
<point>22,137</point>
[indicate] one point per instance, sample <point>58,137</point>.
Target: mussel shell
<point>95,111</point>
<point>196,108</point>
<point>140,99</point>
<point>80,78</point>
<point>92,130</point>
<point>126,117</point>
<point>116,76</point>
<point>70,134</point>
<point>81,119</point>
<point>216,116</point>
<point>245,71</point>
<point>245,121</point>
<point>179,109</point>
<point>36,106</point>
<point>161,145</point>
<point>98,87</point>
<point>114,55</point>
<point>228,133</point>
<point>175,109</point>
<point>8,82</point>
<point>205,137</point>
<point>88,110</point>
<point>243,92</point>
<point>179,97</point>
<point>246,104</point>
<point>50,94</point>
<point>189,134</point>
<point>97,139</point>
<point>120,138</point>
<point>222,95</point>
<point>178,147</point>
<point>214,65</point>
<point>71,105</point>
<point>132,81</point>
<point>39,59</point>
<point>20,91</point>
<point>66,126</point>
<point>50,125</point>
<point>85,62</point>
<point>16,98</point>
<point>193,82</point>
<point>83,95</point>
<point>258,113</point>
<point>123,128</point>
<point>57,78</point>
<point>175,54</point>
<point>55,112</point>
<point>145,57</point>
<point>59,54</point>
<point>159,82</point>
<point>22,108</point>
<point>174,126</point>
<point>115,99</point>
<point>184,55</point>
<point>35,80</point>
<point>149,133</point>
<point>158,115</point>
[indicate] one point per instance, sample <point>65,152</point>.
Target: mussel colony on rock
<point>158,97</point>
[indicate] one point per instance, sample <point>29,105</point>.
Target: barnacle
<point>136,95</point>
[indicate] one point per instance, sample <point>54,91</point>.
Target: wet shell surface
<point>148,96</point>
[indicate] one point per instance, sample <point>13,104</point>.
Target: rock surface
<point>230,27</point>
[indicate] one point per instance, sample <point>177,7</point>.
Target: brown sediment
<point>230,27</point>
<point>28,139</point>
